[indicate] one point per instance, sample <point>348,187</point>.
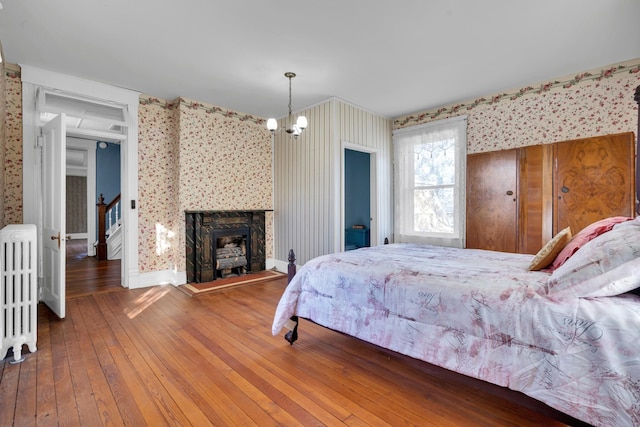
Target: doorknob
<point>57,238</point>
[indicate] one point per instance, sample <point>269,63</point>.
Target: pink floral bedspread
<point>482,314</point>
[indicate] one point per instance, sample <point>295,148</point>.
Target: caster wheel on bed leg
<point>291,336</point>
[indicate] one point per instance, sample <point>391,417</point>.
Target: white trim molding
<point>161,277</point>
<point>34,78</point>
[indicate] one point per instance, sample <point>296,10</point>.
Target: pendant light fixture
<point>301,123</point>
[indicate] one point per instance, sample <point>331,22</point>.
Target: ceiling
<point>389,57</point>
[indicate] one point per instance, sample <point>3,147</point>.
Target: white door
<point>53,230</point>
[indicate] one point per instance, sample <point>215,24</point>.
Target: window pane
<point>429,182</point>
<point>433,210</point>
<point>435,163</point>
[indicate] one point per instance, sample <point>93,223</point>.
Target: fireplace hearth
<point>222,242</point>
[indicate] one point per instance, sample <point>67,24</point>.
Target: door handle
<point>58,238</point>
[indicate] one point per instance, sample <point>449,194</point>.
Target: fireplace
<point>222,242</point>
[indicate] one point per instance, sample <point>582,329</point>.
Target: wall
<point>177,159</point>
<point>3,108</point>
<point>225,164</point>
<point>595,102</point>
<point>307,178</point>
<point>158,208</point>
<point>108,178</point>
<point>13,146</point>
<point>76,204</point>
<point>306,172</point>
<point>108,171</point>
<point>196,156</point>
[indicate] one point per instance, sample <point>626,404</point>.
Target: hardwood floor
<point>156,357</point>
<point>86,275</point>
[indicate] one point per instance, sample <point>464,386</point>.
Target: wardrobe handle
<point>564,189</point>
<point>509,193</point>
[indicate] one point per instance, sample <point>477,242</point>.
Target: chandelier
<point>301,123</point>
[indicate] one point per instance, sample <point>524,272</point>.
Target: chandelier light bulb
<point>272,124</point>
<point>301,122</point>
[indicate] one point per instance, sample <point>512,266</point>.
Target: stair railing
<point>113,215</point>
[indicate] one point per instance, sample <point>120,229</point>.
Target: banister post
<point>101,248</point>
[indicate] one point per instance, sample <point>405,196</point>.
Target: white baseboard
<point>279,265</point>
<point>162,277</point>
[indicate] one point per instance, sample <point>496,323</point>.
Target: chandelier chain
<point>290,77</point>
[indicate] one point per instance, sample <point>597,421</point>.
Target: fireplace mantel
<point>204,226</point>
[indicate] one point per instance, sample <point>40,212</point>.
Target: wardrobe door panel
<point>491,201</point>
<point>594,179</point>
<point>535,202</point>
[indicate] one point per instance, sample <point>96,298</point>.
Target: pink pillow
<point>590,232</point>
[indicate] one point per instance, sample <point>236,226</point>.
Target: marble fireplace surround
<point>203,228</point>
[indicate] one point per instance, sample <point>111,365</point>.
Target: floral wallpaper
<point>593,103</point>
<point>225,163</point>
<point>3,107</point>
<point>158,173</point>
<point>195,156</point>
<point>13,146</point>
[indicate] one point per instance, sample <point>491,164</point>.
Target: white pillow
<point>607,265</point>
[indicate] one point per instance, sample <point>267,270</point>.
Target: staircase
<point>109,244</point>
<point>114,242</point>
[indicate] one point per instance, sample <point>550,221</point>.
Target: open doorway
<point>359,205</point>
<point>104,104</point>
<point>92,169</point>
<point>357,199</point>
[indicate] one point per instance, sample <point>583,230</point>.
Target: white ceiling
<point>389,57</point>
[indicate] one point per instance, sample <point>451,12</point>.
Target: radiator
<point>18,290</point>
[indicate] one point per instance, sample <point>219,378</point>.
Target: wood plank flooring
<point>156,357</point>
<point>86,275</point>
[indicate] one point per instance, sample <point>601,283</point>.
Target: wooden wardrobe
<point>518,199</point>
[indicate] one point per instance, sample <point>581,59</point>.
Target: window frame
<point>404,184</point>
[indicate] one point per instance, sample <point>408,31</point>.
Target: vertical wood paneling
<point>306,175</point>
<point>363,128</point>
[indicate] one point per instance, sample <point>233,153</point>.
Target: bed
<point>567,335</point>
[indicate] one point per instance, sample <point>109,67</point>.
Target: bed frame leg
<point>292,323</point>
<point>292,335</point>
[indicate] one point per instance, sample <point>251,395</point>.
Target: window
<point>430,166</point>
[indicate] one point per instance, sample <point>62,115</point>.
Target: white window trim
<point>401,236</point>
